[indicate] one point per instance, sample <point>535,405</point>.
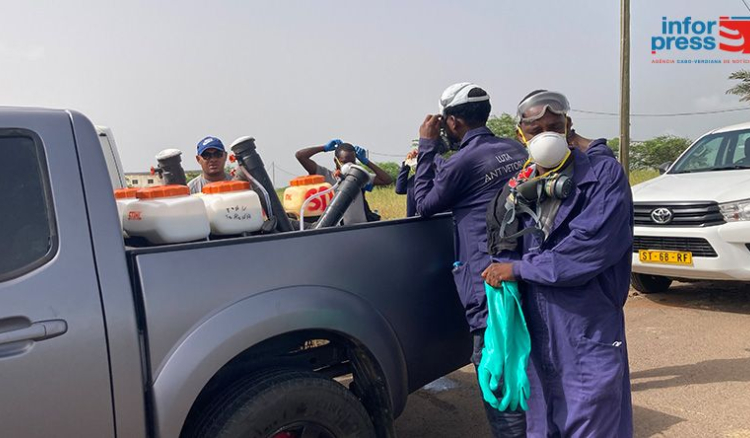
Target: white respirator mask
<point>548,149</point>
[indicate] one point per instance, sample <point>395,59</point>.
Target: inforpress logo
<point>730,35</point>
<point>684,35</point>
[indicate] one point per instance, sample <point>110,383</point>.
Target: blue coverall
<point>574,288</point>
<point>405,186</point>
<point>464,184</point>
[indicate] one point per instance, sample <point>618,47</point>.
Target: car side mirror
<point>664,167</point>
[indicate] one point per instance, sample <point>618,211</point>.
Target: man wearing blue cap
<point>212,157</point>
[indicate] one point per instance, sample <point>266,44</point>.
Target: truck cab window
<point>27,228</point>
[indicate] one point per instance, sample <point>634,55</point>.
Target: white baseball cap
<point>458,94</point>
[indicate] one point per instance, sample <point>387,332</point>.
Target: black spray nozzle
<point>247,156</point>
<point>355,178</point>
<point>169,168</point>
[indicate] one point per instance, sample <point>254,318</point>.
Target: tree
<point>190,174</point>
<point>391,169</point>
<point>503,126</point>
<point>614,145</point>
<point>743,88</point>
<point>652,153</point>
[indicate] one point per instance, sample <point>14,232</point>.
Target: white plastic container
<point>232,207</point>
<point>123,197</point>
<point>167,214</point>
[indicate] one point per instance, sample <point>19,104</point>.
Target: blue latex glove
<point>332,145</point>
<point>507,346</point>
<point>361,155</point>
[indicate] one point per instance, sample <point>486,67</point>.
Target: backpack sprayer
<point>354,179</point>
<point>169,168</point>
<point>252,166</point>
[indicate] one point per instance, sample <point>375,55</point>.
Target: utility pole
<point>625,86</point>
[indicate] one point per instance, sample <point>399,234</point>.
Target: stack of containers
<point>232,208</point>
<point>166,214</point>
<point>302,188</point>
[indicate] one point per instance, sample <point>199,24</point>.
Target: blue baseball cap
<point>210,143</point>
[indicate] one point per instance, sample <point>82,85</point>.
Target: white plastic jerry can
<point>232,207</point>
<point>167,214</point>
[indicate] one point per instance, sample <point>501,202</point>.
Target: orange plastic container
<point>302,188</point>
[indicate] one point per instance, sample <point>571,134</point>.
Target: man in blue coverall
<point>405,183</point>
<point>464,184</point>
<point>575,283</point>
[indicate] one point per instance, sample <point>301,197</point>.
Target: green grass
<point>388,204</point>
<point>641,175</point>
<point>392,206</point>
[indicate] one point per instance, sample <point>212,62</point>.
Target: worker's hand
<point>332,145</point>
<point>496,273</point>
<point>430,128</point>
<point>411,155</point>
<point>361,155</point>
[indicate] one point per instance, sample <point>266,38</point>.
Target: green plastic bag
<point>507,346</point>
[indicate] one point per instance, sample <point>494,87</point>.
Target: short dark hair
<point>344,147</point>
<point>475,114</point>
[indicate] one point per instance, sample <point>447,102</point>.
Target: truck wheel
<point>286,404</point>
<point>649,284</point>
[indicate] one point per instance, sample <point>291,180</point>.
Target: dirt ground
<point>689,367</point>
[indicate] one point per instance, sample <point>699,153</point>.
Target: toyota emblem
<point>662,216</point>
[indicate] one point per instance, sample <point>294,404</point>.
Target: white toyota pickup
<point>693,221</point>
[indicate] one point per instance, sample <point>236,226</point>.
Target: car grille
<point>697,246</point>
<point>685,214</point>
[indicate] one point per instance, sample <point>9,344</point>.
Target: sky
<point>298,73</point>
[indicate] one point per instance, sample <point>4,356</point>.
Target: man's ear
<point>453,122</point>
<point>569,123</point>
<point>198,159</point>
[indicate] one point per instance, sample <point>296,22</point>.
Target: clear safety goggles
<point>534,107</point>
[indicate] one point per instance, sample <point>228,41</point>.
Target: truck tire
<point>649,284</point>
<point>285,404</point>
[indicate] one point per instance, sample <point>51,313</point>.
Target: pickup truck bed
<point>386,286</point>
<point>102,340</point>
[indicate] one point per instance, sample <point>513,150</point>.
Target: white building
<point>142,179</point>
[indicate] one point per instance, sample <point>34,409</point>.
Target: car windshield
<point>715,152</point>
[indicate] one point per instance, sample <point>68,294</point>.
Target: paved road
<point>690,370</point>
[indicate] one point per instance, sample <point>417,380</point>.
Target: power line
<point>695,113</point>
<point>388,155</point>
<point>284,170</point>
<point>746,5</point>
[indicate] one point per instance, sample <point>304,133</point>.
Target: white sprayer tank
<point>123,197</point>
<point>167,214</point>
<point>232,207</point>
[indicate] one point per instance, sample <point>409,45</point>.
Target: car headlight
<point>736,211</point>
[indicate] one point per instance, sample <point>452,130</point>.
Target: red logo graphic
<point>134,215</point>
<point>735,32</point>
<point>320,203</point>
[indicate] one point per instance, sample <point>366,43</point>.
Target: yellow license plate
<point>666,257</point>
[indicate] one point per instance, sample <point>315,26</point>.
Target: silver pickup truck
<point>318,333</point>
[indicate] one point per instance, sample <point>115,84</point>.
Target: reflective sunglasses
<point>208,155</point>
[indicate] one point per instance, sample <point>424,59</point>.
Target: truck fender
<point>218,339</point>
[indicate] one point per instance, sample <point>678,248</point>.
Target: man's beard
<point>448,142</point>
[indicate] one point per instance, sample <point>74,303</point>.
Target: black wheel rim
<point>303,429</point>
